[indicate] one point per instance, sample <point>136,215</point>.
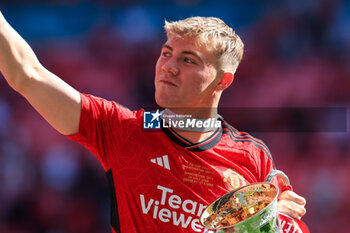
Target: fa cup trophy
<point>249,209</point>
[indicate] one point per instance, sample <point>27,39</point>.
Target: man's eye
<point>189,60</point>
<point>166,54</point>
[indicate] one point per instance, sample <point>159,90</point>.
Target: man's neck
<point>199,113</point>
<point>203,113</point>
<point>194,137</point>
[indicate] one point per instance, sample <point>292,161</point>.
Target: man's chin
<point>165,103</point>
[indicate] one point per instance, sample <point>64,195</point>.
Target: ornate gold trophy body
<point>249,209</point>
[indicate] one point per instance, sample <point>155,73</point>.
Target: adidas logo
<point>162,161</point>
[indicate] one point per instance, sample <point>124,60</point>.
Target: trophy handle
<point>283,182</point>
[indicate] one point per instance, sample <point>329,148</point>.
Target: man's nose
<point>171,67</point>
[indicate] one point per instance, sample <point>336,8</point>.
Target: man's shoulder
<point>245,140</point>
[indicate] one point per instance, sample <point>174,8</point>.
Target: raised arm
<point>54,99</point>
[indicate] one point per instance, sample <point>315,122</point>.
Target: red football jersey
<point>161,182</point>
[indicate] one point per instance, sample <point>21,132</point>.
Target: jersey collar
<point>200,146</point>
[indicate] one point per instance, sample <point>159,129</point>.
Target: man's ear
<point>225,81</point>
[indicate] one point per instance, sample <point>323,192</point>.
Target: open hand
<point>291,204</point>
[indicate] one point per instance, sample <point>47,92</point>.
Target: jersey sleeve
<point>266,165</point>
<point>103,127</point>
<point>265,161</point>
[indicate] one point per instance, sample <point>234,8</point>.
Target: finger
<point>291,209</point>
<point>292,196</point>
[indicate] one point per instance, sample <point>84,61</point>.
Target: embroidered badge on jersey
<point>233,179</point>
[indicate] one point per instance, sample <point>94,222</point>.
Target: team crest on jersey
<point>233,179</point>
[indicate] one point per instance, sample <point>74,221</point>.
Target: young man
<point>161,180</point>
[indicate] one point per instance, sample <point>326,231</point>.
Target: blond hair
<point>213,33</point>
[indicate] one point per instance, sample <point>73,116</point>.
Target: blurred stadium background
<point>297,54</point>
